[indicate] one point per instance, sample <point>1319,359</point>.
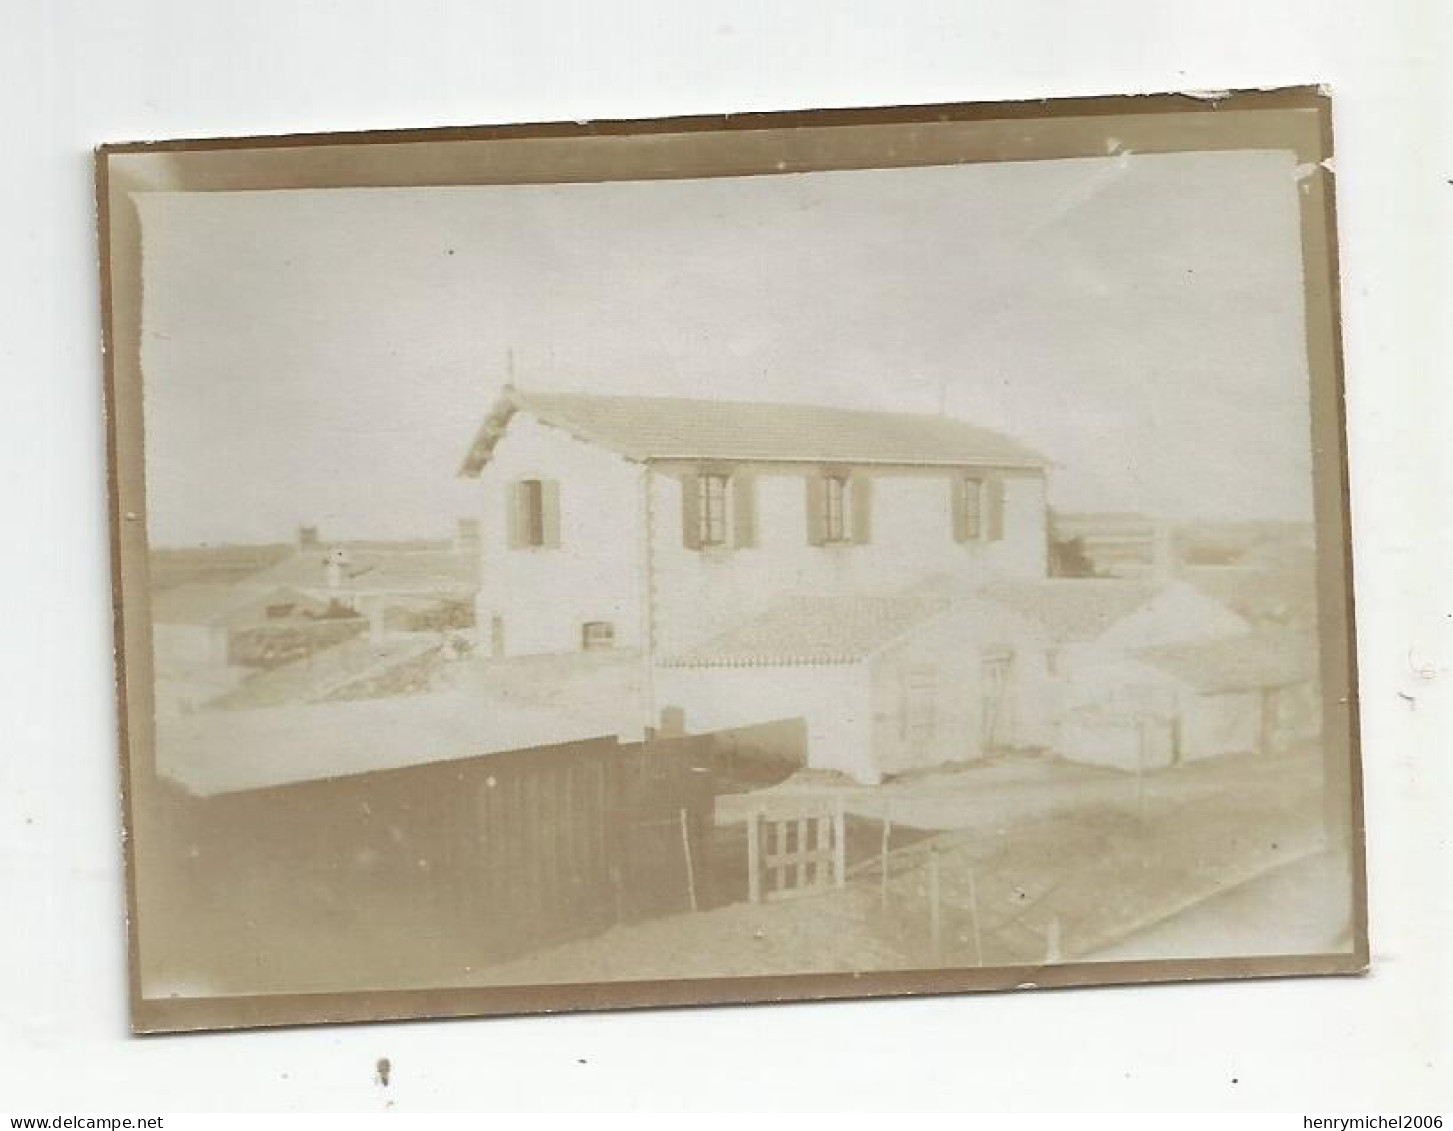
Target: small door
<point>997,721</point>
<point>497,637</point>
<point>919,718</point>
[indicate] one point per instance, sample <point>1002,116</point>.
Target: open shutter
<point>860,488</point>
<point>550,512</point>
<point>515,513</point>
<point>691,510</point>
<point>958,487</point>
<point>744,508</point>
<point>816,511</point>
<point>994,520</point>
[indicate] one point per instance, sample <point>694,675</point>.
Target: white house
<point>880,577</point>
<point>657,524</point>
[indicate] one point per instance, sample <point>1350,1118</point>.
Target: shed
<point>192,624</point>
<point>1252,693</point>
<point>884,684</point>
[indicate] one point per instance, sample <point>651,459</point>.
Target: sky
<point>324,356</point>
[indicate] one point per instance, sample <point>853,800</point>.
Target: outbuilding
<point>884,685</point>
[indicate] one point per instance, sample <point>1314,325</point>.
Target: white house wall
<point>700,593</point>
<point>1213,725</point>
<point>832,699</point>
<point>545,595</point>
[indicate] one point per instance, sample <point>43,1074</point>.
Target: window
<point>835,524</point>
<point>597,636</point>
<point>919,720</point>
<point>712,510</point>
<point>839,507</point>
<point>532,512</point>
<point>971,504</point>
<point>978,508</point>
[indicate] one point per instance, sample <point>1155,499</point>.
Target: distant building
<point>398,586</point>
<point>1112,544</point>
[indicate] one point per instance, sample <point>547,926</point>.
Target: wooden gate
<point>797,852</point>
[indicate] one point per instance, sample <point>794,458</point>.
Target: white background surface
<point>74,74</point>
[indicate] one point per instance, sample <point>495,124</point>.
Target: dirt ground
<point>1049,863</point>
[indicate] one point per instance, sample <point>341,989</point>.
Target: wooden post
<point>840,844</point>
<point>883,851</point>
<point>690,866</point>
<point>754,856</point>
<point>974,918</point>
<point>935,919</point>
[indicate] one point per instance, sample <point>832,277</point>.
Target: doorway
<point>997,715</point>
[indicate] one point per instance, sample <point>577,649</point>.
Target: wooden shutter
<point>816,510</point>
<point>691,510</point>
<point>550,512</point>
<point>994,520</point>
<point>860,488</point>
<point>744,508</point>
<point>515,513</point>
<point>958,488</point>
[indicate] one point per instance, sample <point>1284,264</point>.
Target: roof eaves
<point>760,661</point>
<point>875,461</point>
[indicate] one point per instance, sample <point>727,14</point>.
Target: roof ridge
<point>665,427</point>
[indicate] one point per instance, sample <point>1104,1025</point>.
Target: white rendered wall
<point>701,592</point>
<point>545,594</point>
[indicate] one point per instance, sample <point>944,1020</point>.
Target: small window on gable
<point>532,512</point>
<point>597,636</point>
<point>712,509</point>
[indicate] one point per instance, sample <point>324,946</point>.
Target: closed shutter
<point>995,517</point>
<point>861,490</point>
<point>691,510</point>
<point>958,487</point>
<point>744,508</point>
<point>550,512</point>
<point>515,514</point>
<point>816,511</point>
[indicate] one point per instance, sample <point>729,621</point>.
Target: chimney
<point>466,535</point>
<point>307,537</point>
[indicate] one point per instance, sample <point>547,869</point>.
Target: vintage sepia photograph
<point>784,556</point>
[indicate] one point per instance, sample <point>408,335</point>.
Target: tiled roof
<point>1238,663</point>
<point>208,603</point>
<point>1071,609</point>
<point>815,630</point>
<point>645,428</point>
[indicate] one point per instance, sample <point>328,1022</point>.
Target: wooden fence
<point>503,853</point>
